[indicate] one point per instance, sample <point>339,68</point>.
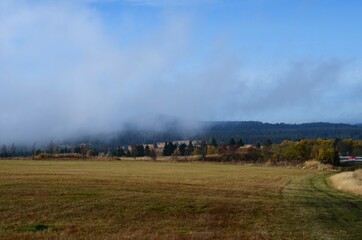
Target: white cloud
<point>61,72</point>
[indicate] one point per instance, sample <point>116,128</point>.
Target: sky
<point>86,66</point>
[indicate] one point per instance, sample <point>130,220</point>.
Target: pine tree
<point>190,148</point>
<point>268,143</point>
<point>164,152</point>
<point>240,142</point>
<point>213,143</point>
<point>232,142</point>
<point>171,148</point>
<point>147,151</point>
<point>182,149</point>
<point>120,152</point>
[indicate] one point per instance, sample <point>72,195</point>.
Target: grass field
<point>150,200</point>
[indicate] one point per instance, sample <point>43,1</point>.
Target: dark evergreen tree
<point>134,151</point>
<point>182,149</point>
<point>268,143</point>
<point>190,148</point>
<point>240,143</point>
<point>77,149</point>
<point>140,150</point>
<point>232,142</point>
<point>213,142</point>
<point>147,151</point>
<point>165,149</point>
<point>120,152</point>
<point>171,148</point>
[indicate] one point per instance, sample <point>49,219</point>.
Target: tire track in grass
<point>321,212</point>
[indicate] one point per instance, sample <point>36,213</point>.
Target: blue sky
<point>94,65</point>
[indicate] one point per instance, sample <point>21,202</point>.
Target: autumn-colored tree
<point>91,153</point>
<point>305,148</point>
<point>211,150</point>
<point>222,149</point>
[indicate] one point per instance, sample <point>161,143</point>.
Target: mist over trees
<point>240,132</point>
<point>219,136</point>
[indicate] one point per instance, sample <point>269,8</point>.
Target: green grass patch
<point>33,228</point>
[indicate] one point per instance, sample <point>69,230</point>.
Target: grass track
<point>322,212</point>
<point>147,200</point>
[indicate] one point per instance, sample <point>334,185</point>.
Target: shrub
<point>314,164</point>
<point>58,156</point>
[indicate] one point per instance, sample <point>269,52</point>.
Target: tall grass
<point>348,181</point>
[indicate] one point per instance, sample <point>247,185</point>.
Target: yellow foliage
<point>211,150</point>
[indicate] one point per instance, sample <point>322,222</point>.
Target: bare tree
<point>51,147</point>
<point>153,154</point>
<point>203,149</point>
<point>33,150</point>
<point>83,149</point>
<point>13,150</point>
<point>4,151</point>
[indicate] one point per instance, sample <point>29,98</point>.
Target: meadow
<point>158,200</point>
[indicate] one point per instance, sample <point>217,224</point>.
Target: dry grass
<point>348,181</point>
<point>357,175</point>
<point>153,200</point>
<point>314,164</point>
<point>194,158</point>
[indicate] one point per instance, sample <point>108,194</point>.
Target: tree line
<point>251,132</point>
<point>323,150</point>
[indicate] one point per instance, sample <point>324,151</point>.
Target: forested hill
<point>249,132</point>
<point>252,132</point>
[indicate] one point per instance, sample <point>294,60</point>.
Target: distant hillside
<point>252,132</point>
<point>249,132</point>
